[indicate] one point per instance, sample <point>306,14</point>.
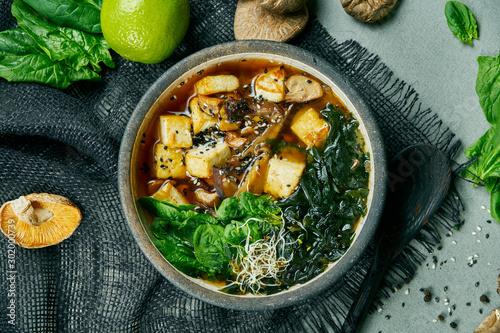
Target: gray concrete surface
<point>415,42</point>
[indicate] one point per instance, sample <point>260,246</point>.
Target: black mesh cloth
<point>66,143</point>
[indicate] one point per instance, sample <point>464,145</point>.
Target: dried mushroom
<point>490,324</point>
<point>253,21</point>
<point>368,10</point>
<point>39,219</point>
<point>302,89</point>
<point>282,6</point>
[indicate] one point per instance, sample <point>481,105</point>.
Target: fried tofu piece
<point>255,178</point>
<point>175,131</point>
<point>271,85</point>
<point>310,127</point>
<point>169,162</point>
<point>200,161</point>
<point>170,194</point>
<point>217,83</point>
<point>283,177</point>
<point>201,120</point>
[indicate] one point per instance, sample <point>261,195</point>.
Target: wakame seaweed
<point>316,223</point>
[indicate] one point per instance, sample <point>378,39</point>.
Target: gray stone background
<point>415,42</point>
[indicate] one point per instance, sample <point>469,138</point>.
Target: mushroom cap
<point>368,10</point>
<point>302,89</point>
<point>282,6</point>
<point>490,324</point>
<point>64,218</point>
<point>253,21</point>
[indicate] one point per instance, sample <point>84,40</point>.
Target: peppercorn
<point>453,324</point>
<point>484,299</point>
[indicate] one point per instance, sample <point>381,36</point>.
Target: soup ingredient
<point>200,161</point>
<point>43,51</point>
<point>254,21</point>
<point>145,31</point>
<point>490,324</point>
<point>81,15</point>
<point>39,219</point>
<point>302,89</point>
<point>282,6</point>
<point>195,242</point>
<point>271,85</point>
<point>461,21</point>
<point>169,193</point>
<point>368,10</point>
<point>310,127</point>
<point>486,169</point>
<point>216,84</point>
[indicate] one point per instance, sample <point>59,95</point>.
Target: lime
<point>145,31</point>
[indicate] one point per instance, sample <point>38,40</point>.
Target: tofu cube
<point>310,127</point>
<point>175,131</point>
<point>271,85</point>
<point>283,177</point>
<point>201,120</point>
<point>200,161</point>
<point>255,178</point>
<point>169,162</point>
<point>170,194</point>
<point>217,83</point>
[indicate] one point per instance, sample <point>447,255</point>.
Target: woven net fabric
<point>66,142</point>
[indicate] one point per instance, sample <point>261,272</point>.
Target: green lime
<point>145,31</point>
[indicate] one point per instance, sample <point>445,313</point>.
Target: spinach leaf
<point>237,232</point>
<point>211,250</point>
<point>22,60</point>
<point>76,48</point>
<point>249,206</point>
<point>488,87</point>
<point>164,209</point>
<point>78,14</point>
<point>495,202</point>
<point>178,256</point>
<point>461,21</point>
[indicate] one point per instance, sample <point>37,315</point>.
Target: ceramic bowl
<point>209,57</point>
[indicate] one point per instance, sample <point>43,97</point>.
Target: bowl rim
<point>285,298</point>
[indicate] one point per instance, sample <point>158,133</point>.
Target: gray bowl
<point>186,68</point>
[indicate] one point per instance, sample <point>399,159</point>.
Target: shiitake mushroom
<point>368,10</point>
<point>282,6</point>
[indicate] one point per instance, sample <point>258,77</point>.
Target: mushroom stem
<point>25,212</point>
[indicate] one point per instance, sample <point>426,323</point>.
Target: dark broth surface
<point>319,217</point>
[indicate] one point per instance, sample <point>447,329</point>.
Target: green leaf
<point>76,48</point>
<point>487,149</point>
<point>461,21</point>
<point>229,209</point>
<point>165,210</point>
<point>22,60</point>
<point>237,232</point>
<point>488,87</point>
<point>78,14</point>
<point>211,249</point>
<point>181,258</point>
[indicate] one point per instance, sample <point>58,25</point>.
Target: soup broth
<point>255,175</point>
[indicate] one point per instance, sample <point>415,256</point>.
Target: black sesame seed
<point>309,81</point>
<point>182,83</point>
<point>265,70</point>
<point>200,72</point>
<point>288,185</point>
<point>468,303</point>
<point>488,221</point>
<point>440,317</point>
<point>445,288</point>
<point>169,159</point>
<point>143,135</point>
<point>281,67</point>
<point>161,159</point>
<point>403,304</point>
<point>481,311</point>
<point>477,284</point>
<point>388,317</point>
<point>436,299</point>
<point>487,236</point>
<point>142,141</point>
<point>162,166</point>
<point>172,98</point>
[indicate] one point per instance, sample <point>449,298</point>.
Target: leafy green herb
<point>211,249</point>
<point>78,14</point>
<point>56,54</point>
<point>22,60</point>
<point>461,21</point>
<point>76,48</point>
<point>486,168</point>
<point>488,87</point>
